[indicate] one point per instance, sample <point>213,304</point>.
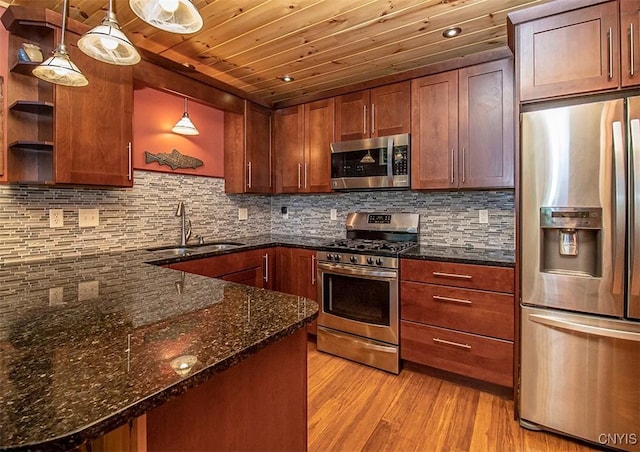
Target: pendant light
<point>107,43</point>
<point>175,16</point>
<point>184,126</point>
<point>59,68</point>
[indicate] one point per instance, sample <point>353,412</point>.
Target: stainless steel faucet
<point>185,231</point>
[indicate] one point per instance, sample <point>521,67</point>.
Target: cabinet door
<point>250,277</point>
<point>573,52</point>
<point>297,272</point>
<point>630,42</point>
<point>289,142</point>
<point>352,116</point>
<point>319,121</point>
<point>268,268</point>
<point>434,157</point>
<point>258,149</point>
<point>486,125</point>
<point>391,109</point>
<point>93,125</point>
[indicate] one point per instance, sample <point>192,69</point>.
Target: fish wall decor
<point>174,160</point>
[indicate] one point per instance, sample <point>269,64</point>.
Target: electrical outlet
<point>483,216</point>
<point>88,290</point>
<point>56,296</point>
<point>243,213</point>
<point>56,218</point>
<point>334,214</point>
<point>88,218</point>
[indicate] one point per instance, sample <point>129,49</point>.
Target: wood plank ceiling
<point>324,44</point>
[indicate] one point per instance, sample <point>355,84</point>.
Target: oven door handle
<point>352,271</point>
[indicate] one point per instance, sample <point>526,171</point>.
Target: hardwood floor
<point>352,407</point>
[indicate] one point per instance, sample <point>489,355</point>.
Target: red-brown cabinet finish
<point>572,52</point>
<point>302,138</point>
<point>459,318</point>
<point>378,112</point>
<point>297,273</point>
<point>463,128</point>
<point>247,150</point>
<point>630,42</point>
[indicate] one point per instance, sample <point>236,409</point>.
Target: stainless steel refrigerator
<point>580,271</point>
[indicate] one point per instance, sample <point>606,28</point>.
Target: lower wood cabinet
<point>459,318</point>
<point>254,268</point>
<point>296,274</point>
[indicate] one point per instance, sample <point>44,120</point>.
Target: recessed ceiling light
<point>452,32</point>
<point>286,78</point>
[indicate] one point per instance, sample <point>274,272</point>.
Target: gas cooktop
<point>378,246</point>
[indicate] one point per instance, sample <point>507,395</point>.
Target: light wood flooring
<point>352,407</point>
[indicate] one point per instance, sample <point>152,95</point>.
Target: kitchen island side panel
<point>259,404</point>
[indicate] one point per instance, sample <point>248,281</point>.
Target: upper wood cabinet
<point>630,42</point>
<point>64,135</point>
<point>374,113</point>
<point>463,128</point>
<point>576,51</point>
<point>302,138</point>
<point>247,150</point>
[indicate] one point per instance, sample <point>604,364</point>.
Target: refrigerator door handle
<point>617,286</point>
<point>582,328</point>
<point>634,233</point>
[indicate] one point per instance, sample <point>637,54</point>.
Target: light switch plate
<point>483,216</point>
<point>88,218</point>
<point>243,213</point>
<point>56,218</point>
<point>56,296</point>
<point>334,214</point>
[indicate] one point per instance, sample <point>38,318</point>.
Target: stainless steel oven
<point>358,289</point>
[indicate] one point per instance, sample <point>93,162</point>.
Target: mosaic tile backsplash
<point>446,218</point>
<point>144,216</point>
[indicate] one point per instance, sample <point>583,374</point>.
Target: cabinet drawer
<point>484,277</point>
<point>223,264</point>
<point>475,311</point>
<point>462,353</point>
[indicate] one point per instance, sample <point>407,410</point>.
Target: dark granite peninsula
<point>90,344</point>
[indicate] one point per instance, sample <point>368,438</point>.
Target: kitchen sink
<point>196,248</point>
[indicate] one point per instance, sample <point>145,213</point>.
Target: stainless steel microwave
<point>373,163</point>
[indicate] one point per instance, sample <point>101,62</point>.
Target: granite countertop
<point>460,255</point>
<point>87,344</point>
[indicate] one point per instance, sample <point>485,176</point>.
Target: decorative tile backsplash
<point>134,218</point>
<point>446,218</point>
<point>144,216</point>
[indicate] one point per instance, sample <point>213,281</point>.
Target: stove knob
<point>353,259</point>
<point>378,261</point>
<point>369,260</point>
<point>337,257</point>
<point>329,257</point>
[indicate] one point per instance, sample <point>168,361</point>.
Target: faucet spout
<point>185,231</point>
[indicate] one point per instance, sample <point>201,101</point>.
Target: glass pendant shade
<point>107,43</point>
<point>59,69</point>
<point>184,126</point>
<point>175,16</point>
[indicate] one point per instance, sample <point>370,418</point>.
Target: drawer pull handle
<point>453,300</point>
<point>451,275</point>
<point>455,344</point>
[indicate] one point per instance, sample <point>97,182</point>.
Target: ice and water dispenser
<point>571,240</point>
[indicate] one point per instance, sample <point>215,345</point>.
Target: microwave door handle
<point>390,161</point>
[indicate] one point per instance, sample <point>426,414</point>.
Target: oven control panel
<point>358,259</point>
